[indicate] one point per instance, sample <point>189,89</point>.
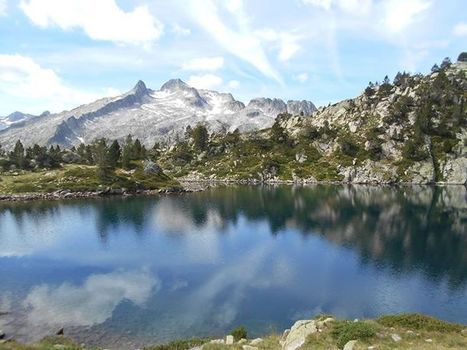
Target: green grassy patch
<point>419,322</point>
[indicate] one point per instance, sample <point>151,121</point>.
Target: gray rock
<point>396,337</point>
<point>151,168</point>
<point>350,345</point>
<point>229,340</point>
<point>256,341</point>
<point>249,347</point>
<point>297,335</point>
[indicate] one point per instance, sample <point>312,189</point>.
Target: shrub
<point>345,331</point>
<point>462,57</point>
<point>419,322</point>
<point>239,333</point>
<point>348,146</point>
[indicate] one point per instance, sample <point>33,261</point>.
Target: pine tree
<point>102,159</point>
<point>446,63</point>
<point>17,157</point>
<point>114,153</point>
<point>200,137</point>
<point>137,150</point>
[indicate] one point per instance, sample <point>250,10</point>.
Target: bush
<point>344,331</point>
<point>348,146</point>
<point>239,333</point>
<point>419,322</point>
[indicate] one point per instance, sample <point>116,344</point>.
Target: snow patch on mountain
<point>151,116</point>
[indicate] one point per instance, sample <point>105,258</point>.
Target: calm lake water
<point>124,272</point>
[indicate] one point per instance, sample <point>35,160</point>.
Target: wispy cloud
<point>400,14</point>
<point>460,29</point>
<point>204,64</point>
<point>3,7</point>
<point>205,81</point>
<point>239,40</point>
<point>100,20</point>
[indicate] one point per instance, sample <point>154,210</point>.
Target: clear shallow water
<point>124,272</point>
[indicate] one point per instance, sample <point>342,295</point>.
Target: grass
<point>179,344</point>
<point>79,178</point>
<point>344,331</point>
<point>419,322</point>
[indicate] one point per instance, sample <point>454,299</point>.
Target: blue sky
<point>57,54</point>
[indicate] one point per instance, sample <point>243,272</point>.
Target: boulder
<point>295,337</point>
<point>256,341</point>
<point>249,347</point>
<point>151,168</point>
<point>396,337</point>
<point>229,340</point>
<point>350,345</point>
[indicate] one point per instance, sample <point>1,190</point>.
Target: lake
<point>125,272</point>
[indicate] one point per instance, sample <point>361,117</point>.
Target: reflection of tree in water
<point>405,228</point>
<point>110,213</point>
<point>34,211</point>
<point>114,213</point>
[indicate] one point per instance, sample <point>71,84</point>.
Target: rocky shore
<point>403,331</point>
<point>66,194</point>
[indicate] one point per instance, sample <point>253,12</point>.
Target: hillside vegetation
<point>413,129</point>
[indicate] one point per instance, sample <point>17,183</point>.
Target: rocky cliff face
<point>149,115</point>
<point>414,130</point>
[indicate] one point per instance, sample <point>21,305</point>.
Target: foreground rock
<point>295,337</point>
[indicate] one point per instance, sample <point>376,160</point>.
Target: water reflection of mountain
<point>405,228</point>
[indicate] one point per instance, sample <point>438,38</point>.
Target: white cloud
<point>88,304</point>
<point>233,84</point>
<point>357,7</point>
<point>325,4</point>
<point>302,77</point>
<point>177,29</point>
<point>204,64</point>
<point>205,81</point>
<point>100,20</point>
<point>400,14</point>
<point>38,87</point>
<point>286,43</point>
<point>239,41</point>
<point>460,29</point>
<point>3,6</point>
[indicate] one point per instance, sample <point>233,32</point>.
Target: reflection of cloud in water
<point>218,300</point>
<point>88,304</point>
<point>172,217</point>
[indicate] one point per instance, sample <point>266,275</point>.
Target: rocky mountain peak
<point>175,84</point>
<point>140,88</point>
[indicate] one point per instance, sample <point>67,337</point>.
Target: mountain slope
<point>151,116</point>
<point>412,130</point>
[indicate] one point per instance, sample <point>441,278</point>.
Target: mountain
<point>151,116</point>
<point>15,118</point>
<point>413,130</point>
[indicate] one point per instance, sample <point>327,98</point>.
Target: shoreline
<point>196,185</point>
<point>400,331</point>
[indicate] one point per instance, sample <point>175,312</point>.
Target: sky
<point>58,54</point>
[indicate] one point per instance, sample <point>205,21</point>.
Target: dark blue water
<point>147,270</point>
